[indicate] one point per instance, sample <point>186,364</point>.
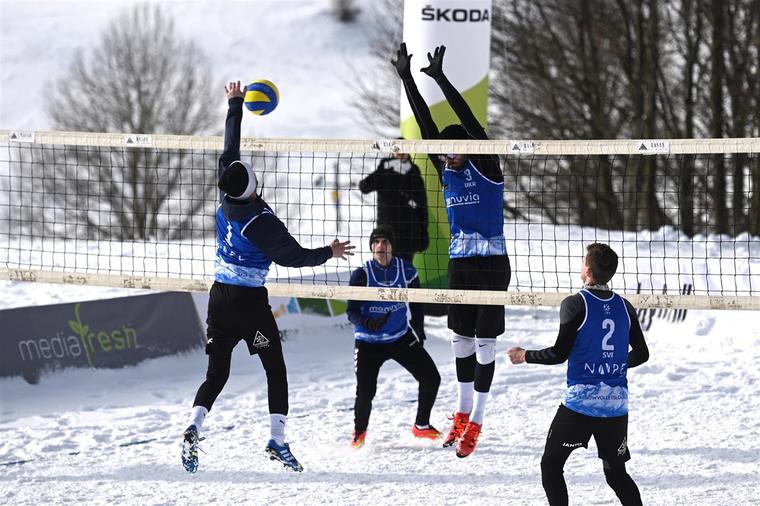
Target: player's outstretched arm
<point>231,152</point>
<point>455,99</point>
<point>269,234</point>
<point>402,62</point>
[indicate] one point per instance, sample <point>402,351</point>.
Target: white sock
<point>197,416</point>
<point>480,407</point>
<point>277,428</point>
<point>465,396</point>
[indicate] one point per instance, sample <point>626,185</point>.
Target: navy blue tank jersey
<point>397,275</point>
<point>597,384</point>
<point>238,260</point>
<point>474,206</point>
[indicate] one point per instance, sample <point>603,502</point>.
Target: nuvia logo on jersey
<point>429,13</point>
<point>462,200</point>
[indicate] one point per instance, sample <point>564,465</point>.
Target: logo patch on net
<point>260,340</point>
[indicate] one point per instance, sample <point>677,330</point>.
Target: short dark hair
<point>602,261</point>
<point>382,232</point>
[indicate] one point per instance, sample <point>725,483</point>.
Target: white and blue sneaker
<point>283,455</point>
<point>190,449</point>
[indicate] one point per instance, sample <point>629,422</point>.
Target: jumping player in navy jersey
<point>597,328</point>
<point>249,238</point>
<point>389,331</point>
<point>473,187</point>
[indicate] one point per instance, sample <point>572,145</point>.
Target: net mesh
<point>138,211</point>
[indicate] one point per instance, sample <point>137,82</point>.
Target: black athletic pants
<point>570,430</point>
<point>238,313</point>
<point>409,353</point>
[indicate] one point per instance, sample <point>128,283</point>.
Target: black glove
<point>435,63</point>
<point>402,62</point>
<point>376,323</point>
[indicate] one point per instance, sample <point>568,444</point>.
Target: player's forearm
<point>547,356</point>
<point>428,128</point>
<point>560,351</point>
<point>461,108</point>
<point>232,133</point>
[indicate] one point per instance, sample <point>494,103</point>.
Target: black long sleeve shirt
<point>572,315</point>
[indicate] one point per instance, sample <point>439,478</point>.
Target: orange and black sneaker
<point>457,428</point>
<point>428,432</point>
<point>469,440</point>
<point>357,440</point>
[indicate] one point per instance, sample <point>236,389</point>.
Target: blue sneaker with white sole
<point>190,449</point>
<point>283,455</point>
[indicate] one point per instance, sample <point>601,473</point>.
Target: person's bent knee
<point>485,352</point>
<point>614,472</point>
<point>463,346</point>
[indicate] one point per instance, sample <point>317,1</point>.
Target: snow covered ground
<point>112,436</point>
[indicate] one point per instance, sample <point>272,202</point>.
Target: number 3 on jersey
<point>607,348</point>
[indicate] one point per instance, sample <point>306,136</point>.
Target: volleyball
<point>261,97</point>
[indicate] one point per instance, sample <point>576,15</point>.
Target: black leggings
<point>553,480</point>
<point>219,370</point>
<point>410,354</point>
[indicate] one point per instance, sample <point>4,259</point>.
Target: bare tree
<point>377,93</point>
<point>595,69</point>
<point>141,78</point>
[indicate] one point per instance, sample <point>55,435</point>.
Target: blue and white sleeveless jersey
<point>597,383</point>
<point>238,260</point>
<point>474,206</point>
<point>399,274</point>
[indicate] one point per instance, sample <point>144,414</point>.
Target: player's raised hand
<point>342,249</point>
<point>234,90</point>
<point>435,63</point>
<point>402,62</point>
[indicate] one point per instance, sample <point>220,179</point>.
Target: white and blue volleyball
<point>261,97</point>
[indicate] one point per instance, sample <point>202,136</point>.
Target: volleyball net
<point>137,211</point>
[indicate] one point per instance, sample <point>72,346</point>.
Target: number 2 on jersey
<point>609,326</point>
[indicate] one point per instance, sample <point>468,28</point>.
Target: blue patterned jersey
<point>597,384</point>
<point>398,274</point>
<point>238,260</point>
<point>474,206</point>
